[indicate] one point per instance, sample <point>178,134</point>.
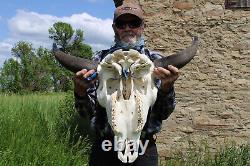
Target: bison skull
<point>127,90</point>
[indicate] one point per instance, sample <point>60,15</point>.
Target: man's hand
<point>167,76</point>
<point>80,83</point>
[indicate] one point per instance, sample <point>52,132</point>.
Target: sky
<point>29,20</point>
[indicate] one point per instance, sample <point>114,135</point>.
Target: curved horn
<point>179,59</point>
<point>74,63</point>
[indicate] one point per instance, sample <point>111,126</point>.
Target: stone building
<point>213,91</point>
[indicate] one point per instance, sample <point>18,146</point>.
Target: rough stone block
<point>183,5</point>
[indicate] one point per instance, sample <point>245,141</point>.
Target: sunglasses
<point>136,23</point>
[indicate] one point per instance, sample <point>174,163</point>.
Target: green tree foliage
<point>78,48</point>
<point>10,79</point>
<point>37,69</point>
<point>30,71</point>
<point>61,33</point>
<point>69,41</point>
<point>43,68</point>
<point>23,51</point>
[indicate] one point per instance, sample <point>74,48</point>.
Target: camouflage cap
<point>128,8</point>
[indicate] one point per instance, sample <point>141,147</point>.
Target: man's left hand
<point>167,76</point>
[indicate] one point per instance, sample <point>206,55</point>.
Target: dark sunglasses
<point>136,23</point>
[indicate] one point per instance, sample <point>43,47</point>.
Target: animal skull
<point>127,90</point>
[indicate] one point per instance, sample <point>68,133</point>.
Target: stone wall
<point>213,94</point>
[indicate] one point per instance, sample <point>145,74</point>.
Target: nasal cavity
<point>126,91</point>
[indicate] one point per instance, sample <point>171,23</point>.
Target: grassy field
<point>43,129</point>
<point>34,132</point>
<point>229,155</point>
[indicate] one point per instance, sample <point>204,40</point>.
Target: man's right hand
<point>80,83</point>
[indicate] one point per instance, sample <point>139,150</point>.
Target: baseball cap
<point>128,8</point>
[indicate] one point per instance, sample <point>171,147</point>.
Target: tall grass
<point>229,155</point>
<point>32,132</point>
<point>43,129</point>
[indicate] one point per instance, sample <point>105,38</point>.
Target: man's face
<point>128,29</point>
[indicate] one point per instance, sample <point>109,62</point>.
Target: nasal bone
<point>125,73</point>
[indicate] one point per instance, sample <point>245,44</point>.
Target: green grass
<point>34,131</point>
<point>43,129</point>
<point>229,155</point>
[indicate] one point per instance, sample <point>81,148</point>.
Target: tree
<point>61,33</point>
<point>10,80</point>
<point>43,67</point>
<point>37,69</point>
<point>23,51</point>
<point>34,67</point>
<point>78,48</point>
<point>69,41</point>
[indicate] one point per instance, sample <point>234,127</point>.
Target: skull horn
<point>179,59</point>
<point>74,63</point>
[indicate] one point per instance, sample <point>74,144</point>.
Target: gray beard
<point>127,45</point>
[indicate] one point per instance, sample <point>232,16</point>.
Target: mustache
<point>128,34</point>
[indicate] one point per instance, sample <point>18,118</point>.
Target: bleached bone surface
<point>127,90</point>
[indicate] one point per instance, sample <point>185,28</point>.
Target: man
<point>128,25</point>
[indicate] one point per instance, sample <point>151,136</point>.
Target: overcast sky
<point>29,20</point>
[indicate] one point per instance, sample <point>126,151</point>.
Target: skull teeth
<point>113,113</point>
<point>139,113</point>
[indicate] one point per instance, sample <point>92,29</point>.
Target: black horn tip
<point>180,59</point>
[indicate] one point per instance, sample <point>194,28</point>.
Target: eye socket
<point>135,23</point>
